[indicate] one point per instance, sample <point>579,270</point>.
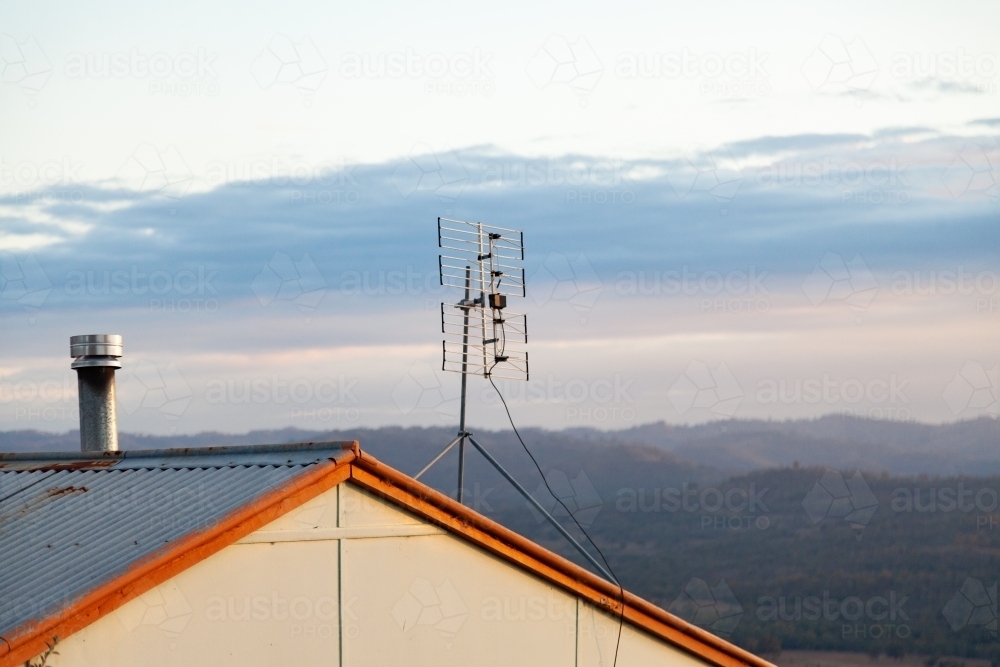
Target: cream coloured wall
<point>407,592</point>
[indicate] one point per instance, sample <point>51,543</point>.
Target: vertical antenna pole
<point>493,289</point>
<point>482,294</point>
<point>465,360</point>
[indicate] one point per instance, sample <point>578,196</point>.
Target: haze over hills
<point>837,441</point>
<point>727,447</point>
<point>611,465</point>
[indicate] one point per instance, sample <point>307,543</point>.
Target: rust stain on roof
<point>63,490</point>
<point>55,466</point>
<point>37,502</point>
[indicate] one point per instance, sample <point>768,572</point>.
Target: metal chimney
<point>95,358</point>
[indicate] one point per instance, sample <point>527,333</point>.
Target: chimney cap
<point>107,348</point>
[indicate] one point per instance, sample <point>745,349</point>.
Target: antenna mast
<point>480,338</point>
<point>492,259</point>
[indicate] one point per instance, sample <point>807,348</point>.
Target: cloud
<point>988,122</point>
<point>945,86</point>
<point>800,142</point>
<point>621,216</point>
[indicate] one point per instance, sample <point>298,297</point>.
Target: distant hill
<point>729,447</point>
<point>900,448</point>
<point>882,568</point>
<point>409,449</point>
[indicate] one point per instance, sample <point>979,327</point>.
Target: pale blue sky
<point>212,145</point>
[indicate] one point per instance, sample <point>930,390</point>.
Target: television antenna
<point>479,336</point>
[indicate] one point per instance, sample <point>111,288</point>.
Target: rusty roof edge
<point>61,456</point>
<point>112,458</point>
<point>221,532</point>
<point>536,551</point>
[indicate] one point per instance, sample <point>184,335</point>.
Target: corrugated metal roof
<point>72,522</point>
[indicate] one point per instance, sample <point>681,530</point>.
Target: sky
<point>772,211</point>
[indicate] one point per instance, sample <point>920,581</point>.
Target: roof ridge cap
<point>179,452</point>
